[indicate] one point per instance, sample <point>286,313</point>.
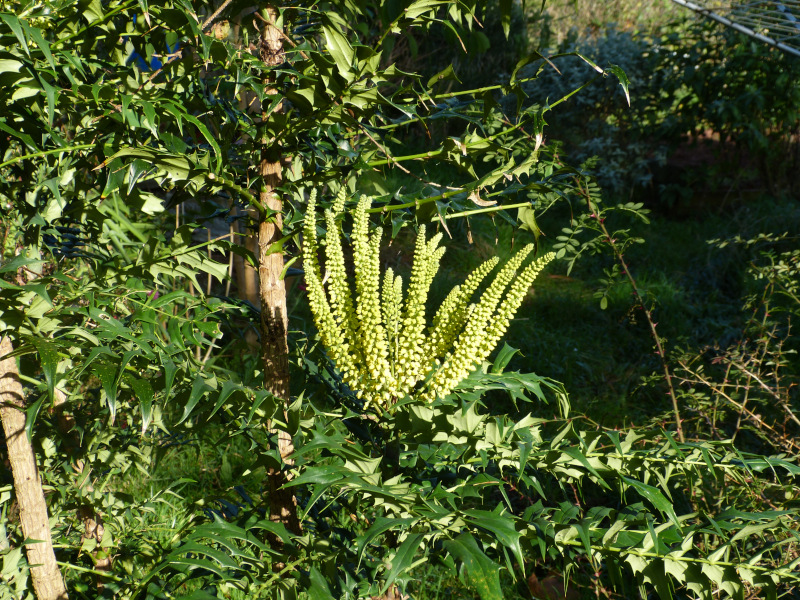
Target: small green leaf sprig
<point>380,339</point>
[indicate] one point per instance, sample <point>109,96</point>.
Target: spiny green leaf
<point>199,388</point>
<point>9,65</point>
<point>228,387</point>
<point>26,139</point>
<point>655,573</point>
<point>43,44</point>
<point>403,559</point>
<point>379,526</point>
<point>20,261</point>
<point>205,132</point>
<point>169,374</point>
<point>482,572</point>
<point>48,358</point>
<point>623,80</point>
<point>523,62</point>
<point>31,413</point>
<point>50,95</point>
<point>327,475</point>
<point>505,15</point>
<point>107,373</point>
<point>503,358</point>
<point>319,589</point>
<point>502,526</point>
<point>340,49</point>
<point>420,7</point>
<point>175,335</point>
<point>581,458</point>
<point>16,26</point>
<point>527,217</point>
<point>655,497</point>
<point>447,74</point>
<point>144,393</point>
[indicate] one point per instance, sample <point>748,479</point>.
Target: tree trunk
<point>47,581</point>
<point>274,318</point>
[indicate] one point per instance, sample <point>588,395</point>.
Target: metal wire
<point>774,23</point>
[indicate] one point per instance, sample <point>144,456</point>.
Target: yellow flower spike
<point>512,302</point>
<point>338,287</point>
<point>371,333</point>
<point>392,299</point>
<point>329,330</point>
<point>412,336</point>
<point>376,346</point>
<point>489,300</point>
<point>452,314</point>
<point>468,347</point>
<point>341,198</point>
<point>380,340</point>
<point>478,275</point>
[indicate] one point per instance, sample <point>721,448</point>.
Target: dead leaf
<point>476,198</point>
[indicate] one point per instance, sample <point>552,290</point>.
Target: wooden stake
<point>47,580</point>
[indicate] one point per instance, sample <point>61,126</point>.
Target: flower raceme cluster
<point>378,337</point>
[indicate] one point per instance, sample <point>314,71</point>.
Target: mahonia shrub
<point>377,332</point>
